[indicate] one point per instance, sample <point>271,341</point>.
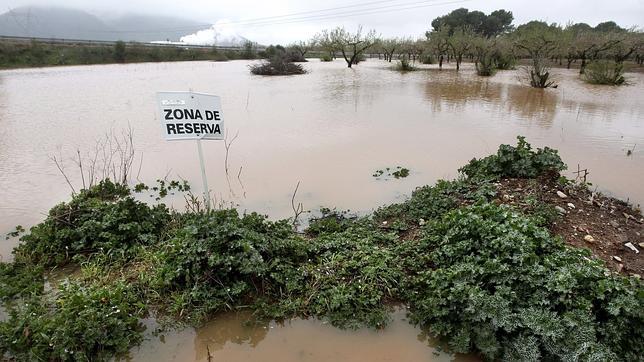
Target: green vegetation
<point>515,162</point>
<point>605,72</point>
<point>35,54</point>
<point>398,172</point>
<point>485,278</point>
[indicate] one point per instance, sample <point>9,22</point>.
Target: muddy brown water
<point>231,338</point>
<point>329,130</point>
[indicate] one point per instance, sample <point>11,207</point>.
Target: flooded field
<point>330,130</point>
<point>232,338</point>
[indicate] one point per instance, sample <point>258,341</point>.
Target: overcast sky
<point>389,18</point>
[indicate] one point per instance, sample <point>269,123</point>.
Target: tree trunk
<point>459,59</point>
<point>440,62</point>
<point>582,68</point>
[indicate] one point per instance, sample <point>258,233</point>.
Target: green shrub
<point>119,52</point>
<point>103,219</point>
<point>79,324</point>
<point>429,202</point>
<point>355,278</point>
<point>519,161</point>
<point>326,58</point>
<point>331,221</point>
<point>489,280</point>
<point>218,260</point>
<point>20,280</point>
<point>604,72</point>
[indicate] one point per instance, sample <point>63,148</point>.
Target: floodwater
<point>330,130</point>
<point>233,337</point>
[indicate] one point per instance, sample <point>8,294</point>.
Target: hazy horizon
<point>284,21</point>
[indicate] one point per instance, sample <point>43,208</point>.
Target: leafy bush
<point>429,202</point>
<point>326,58</point>
<point>104,218</point>
<point>278,65</point>
<point>519,161</point>
<point>354,278</point>
<point>20,280</point>
<point>217,260</point>
<point>502,286</point>
<point>331,221</point>
<point>80,323</point>
<point>604,72</point>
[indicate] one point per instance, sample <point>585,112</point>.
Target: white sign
<point>190,116</point>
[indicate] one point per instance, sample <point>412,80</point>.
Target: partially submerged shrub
<point>104,218</point>
<point>519,161</point>
<point>78,324</point>
<point>277,65</point>
<point>502,286</point>
<point>404,65</point>
<point>604,72</point>
<point>485,66</point>
<point>538,75</point>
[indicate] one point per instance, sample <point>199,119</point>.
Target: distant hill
<point>57,22</point>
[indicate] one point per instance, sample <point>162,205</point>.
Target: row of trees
<point>491,42</point>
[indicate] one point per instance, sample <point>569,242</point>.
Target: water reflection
<point>234,337</point>
<point>448,92</point>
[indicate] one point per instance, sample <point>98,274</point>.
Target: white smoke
<point>222,33</point>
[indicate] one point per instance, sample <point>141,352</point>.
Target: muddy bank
<point>611,228</point>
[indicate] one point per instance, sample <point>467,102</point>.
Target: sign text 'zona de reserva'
<point>189,115</point>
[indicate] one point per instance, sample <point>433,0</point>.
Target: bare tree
<point>352,45</point>
<point>302,47</point>
<point>389,46</point>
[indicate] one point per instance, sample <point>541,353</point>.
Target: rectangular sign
<point>190,116</point>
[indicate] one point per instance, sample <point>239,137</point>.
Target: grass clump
<point>277,65</point>
<point>490,280</point>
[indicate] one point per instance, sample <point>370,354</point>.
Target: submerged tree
<point>389,47</point>
<point>460,42</point>
<point>538,40</point>
<point>438,42</point>
<point>484,49</point>
<point>352,45</point>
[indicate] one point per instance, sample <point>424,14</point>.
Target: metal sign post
<point>204,179</point>
<point>192,116</point>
